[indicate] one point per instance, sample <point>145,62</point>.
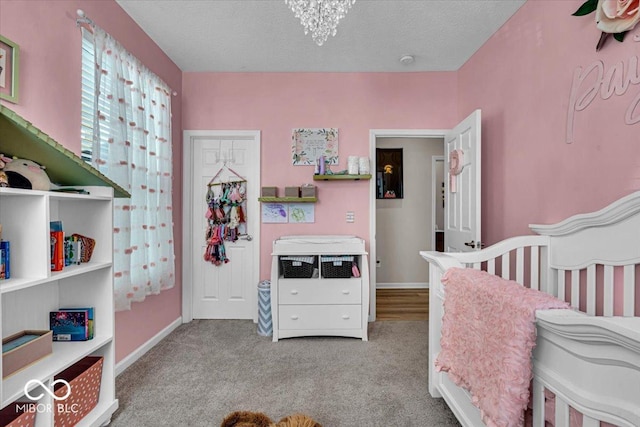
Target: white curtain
<point>132,146</point>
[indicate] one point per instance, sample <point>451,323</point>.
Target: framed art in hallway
<point>9,61</point>
<point>389,184</point>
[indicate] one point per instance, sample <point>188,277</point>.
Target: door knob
<point>247,237</point>
<point>473,244</point>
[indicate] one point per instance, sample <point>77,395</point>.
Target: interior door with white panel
<point>228,290</point>
<point>462,186</point>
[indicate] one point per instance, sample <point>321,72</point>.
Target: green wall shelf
<point>340,177</point>
<point>22,139</point>
<point>288,199</point>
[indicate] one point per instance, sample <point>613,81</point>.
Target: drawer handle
<point>346,292</point>
<point>294,317</point>
<point>346,316</point>
<point>294,292</point>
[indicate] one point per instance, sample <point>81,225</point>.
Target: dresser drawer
<point>327,291</point>
<point>320,317</point>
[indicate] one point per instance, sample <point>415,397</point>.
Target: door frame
<point>373,135</point>
<point>187,203</point>
<point>434,197</point>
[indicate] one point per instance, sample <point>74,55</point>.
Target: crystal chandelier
<point>320,17</point>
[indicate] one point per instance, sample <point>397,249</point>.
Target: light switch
<point>351,216</point>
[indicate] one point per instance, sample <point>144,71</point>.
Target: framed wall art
<point>274,213</point>
<point>9,61</point>
<point>389,184</point>
<point>307,145</point>
<point>302,213</point>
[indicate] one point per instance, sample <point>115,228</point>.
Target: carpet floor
<point>207,369</point>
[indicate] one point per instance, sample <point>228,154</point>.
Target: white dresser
<point>321,304</point>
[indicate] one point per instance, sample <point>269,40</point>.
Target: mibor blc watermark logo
<point>57,405</point>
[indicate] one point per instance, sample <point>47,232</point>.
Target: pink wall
<point>50,98</point>
<point>275,103</point>
<point>522,79</point>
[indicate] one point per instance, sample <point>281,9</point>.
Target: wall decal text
<point>595,79</point>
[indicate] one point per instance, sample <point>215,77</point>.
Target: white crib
<point>588,357</point>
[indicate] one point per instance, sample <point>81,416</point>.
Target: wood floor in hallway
<point>402,304</point>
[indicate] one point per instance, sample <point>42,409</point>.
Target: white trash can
<point>265,322</point>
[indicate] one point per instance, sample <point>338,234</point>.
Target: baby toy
<point>258,419</point>
<point>23,173</point>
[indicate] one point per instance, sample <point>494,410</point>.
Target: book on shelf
<point>72,250</point>
<point>72,324</point>
<point>90,313</point>
<point>57,245</point>
<point>5,258</point>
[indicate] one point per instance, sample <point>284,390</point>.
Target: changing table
<point>319,287</point>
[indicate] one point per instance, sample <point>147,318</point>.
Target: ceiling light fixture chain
<point>320,17</point>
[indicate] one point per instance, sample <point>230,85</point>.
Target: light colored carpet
<point>208,368</point>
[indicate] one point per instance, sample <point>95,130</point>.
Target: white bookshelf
<point>33,290</point>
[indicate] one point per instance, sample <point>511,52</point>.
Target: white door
<point>462,186</point>
<point>228,290</point>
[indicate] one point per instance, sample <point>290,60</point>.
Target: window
<point>126,135</point>
<point>88,97</point>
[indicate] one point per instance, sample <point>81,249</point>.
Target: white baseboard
<point>403,285</point>
<point>140,351</point>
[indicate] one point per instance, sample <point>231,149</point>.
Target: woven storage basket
<point>297,267</point>
<point>336,267</point>
<point>87,246</point>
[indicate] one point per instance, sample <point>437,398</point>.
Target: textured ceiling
<point>264,35</point>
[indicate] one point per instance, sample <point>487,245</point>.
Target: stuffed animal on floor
<point>297,420</point>
<point>258,419</point>
<point>23,173</point>
<point>246,419</point>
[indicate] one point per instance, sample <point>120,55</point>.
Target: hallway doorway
<point>405,225</point>
<point>436,136</point>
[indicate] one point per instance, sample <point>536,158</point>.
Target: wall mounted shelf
<point>340,177</point>
<point>20,138</point>
<point>288,199</point>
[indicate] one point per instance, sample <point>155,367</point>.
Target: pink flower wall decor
<point>615,17</point>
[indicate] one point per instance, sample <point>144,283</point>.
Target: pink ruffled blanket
<point>488,333</point>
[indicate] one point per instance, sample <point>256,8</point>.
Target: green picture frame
<point>9,70</point>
